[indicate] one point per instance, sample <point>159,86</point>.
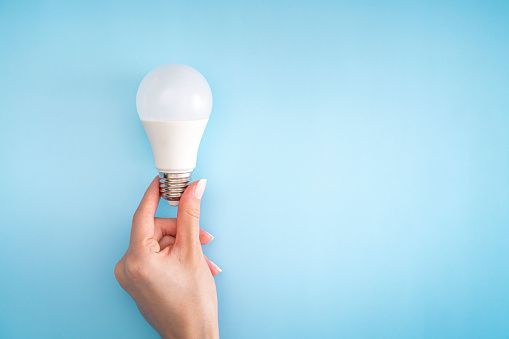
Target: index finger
<point>143,220</point>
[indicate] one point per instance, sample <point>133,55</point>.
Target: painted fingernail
<point>217,267</point>
<point>209,235</point>
<point>200,188</point>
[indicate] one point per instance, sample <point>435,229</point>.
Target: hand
<point>165,270</point>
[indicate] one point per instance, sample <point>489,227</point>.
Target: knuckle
<point>134,268</point>
<point>188,256</point>
<point>118,271</point>
<point>193,212</point>
<point>194,259</point>
<point>140,214</point>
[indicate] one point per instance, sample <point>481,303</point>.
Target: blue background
<point>357,157</point>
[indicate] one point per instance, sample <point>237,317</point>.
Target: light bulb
<point>174,104</point>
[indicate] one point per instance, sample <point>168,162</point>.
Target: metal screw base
<point>172,185</point>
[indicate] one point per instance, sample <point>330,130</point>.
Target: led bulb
<point>174,104</point>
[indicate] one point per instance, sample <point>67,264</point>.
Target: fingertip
<point>199,189</point>
<point>205,237</point>
<point>214,268</point>
<point>210,236</point>
<point>154,183</point>
<point>153,188</point>
<point>151,197</point>
<point>193,192</point>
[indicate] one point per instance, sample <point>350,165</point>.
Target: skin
<point>165,271</point>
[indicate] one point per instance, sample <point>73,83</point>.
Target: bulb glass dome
<point>174,93</point>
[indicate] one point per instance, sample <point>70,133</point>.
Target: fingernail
<point>209,235</point>
<point>200,188</point>
<point>217,267</point>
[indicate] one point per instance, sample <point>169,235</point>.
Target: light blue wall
<point>357,157</point>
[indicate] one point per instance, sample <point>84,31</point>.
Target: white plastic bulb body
<point>174,103</point>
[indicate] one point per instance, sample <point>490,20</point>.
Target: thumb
<point>188,217</point>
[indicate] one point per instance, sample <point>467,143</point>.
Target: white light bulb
<point>174,104</point>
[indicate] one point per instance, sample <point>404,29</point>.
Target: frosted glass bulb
<point>174,104</point>
<point>174,93</point>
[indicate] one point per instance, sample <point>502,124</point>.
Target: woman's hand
<point>165,271</point>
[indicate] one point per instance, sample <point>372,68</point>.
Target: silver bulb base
<point>172,185</point>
